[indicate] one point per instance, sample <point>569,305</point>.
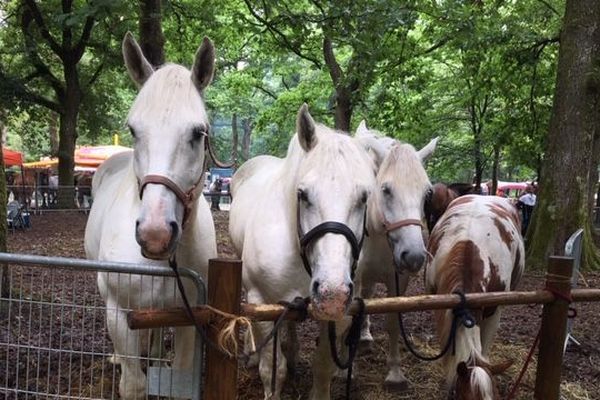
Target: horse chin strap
<point>330,227</point>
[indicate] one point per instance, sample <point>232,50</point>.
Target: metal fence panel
<point>53,336</point>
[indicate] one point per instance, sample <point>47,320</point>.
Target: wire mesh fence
<point>54,342</point>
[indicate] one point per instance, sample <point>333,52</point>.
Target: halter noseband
<point>186,198</point>
<point>330,227</point>
<point>388,227</point>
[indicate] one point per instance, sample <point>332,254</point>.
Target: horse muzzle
<point>157,241</point>
<point>409,260</point>
<point>331,302</point>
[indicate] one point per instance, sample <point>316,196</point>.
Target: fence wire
<point>54,342</point>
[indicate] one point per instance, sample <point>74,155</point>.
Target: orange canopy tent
<point>11,157</point>
<point>85,156</point>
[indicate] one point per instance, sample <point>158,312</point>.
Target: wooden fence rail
<point>553,329</point>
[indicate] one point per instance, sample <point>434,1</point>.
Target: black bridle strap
<point>325,228</point>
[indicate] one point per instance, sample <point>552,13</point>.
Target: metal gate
<point>53,335</point>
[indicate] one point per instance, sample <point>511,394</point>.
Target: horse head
<point>403,189</point>
<point>169,125</point>
<point>475,380</point>
<point>333,183</point>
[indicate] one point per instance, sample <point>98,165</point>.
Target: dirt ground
<point>62,235</point>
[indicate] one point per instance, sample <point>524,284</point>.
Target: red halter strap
<point>388,227</point>
<point>186,198</point>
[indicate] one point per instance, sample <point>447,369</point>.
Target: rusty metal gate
<point>53,336</point>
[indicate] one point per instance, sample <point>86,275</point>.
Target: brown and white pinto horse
<point>477,247</point>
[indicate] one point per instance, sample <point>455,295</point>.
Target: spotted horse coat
<point>476,247</point>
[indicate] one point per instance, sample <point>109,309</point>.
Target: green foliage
<point>416,69</point>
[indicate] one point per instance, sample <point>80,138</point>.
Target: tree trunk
<point>562,205</point>
<point>343,109</point>
<point>152,40</point>
<point>247,127</point>
<point>234,137</point>
<point>68,138</point>
<point>495,166</point>
<point>53,133</point>
<point>477,145</point>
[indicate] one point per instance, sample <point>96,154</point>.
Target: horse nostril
<point>315,287</point>
<point>174,229</point>
<point>350,289</point>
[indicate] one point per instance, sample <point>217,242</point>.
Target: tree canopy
<point>480,75</point>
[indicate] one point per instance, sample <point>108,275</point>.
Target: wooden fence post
<point>225,294</point>
<point>553,330</point>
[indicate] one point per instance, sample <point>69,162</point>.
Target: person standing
<point>215,191</point>
<point>526,203</point>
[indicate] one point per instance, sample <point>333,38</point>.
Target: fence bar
<point>225,294</point>
<point>553,330</point>
<point>144,319</point>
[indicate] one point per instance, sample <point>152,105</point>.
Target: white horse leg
<point>126,343</point>
<point>265,366</point>
<point>489,326</point>
<point>184,348</point>
<point>395,379</point>
<point>366,292</point>
<point>323,366</point>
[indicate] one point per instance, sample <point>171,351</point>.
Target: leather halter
<point>330,227</point>
<point>388,227</point>
<point>186,198</point>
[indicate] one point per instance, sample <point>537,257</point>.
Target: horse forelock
<point>168,96</point>
<point>335,153</point>
<point>403,165</point>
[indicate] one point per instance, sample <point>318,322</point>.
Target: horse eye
<point>363,197</point>
<point>386,190</point>
<point>132,132</point>
<point>428,195</point>
<point>198,133</point>
<point>303,196</point>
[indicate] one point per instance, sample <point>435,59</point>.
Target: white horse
<point>477,247</point>
<point>148,204</point>
<point>326,176</point>
<point>395,238</point>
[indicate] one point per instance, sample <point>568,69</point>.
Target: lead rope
<point>352,341</point>
<point>460,314</point>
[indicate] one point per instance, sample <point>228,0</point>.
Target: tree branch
<point>544,2</point>
<point>266,91</point>
<point>335,71</point>
<point>79,48</point>
<point>283,39</point>
<point>31,49</point>
<point>44,32</point>
<point>20,91</point>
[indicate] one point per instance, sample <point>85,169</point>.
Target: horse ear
<point>137,65</point>
<point>427,151</point>
<point>204,65</point>
<point>362,129</point>
<point>305,126</point>
<point>497,369</point>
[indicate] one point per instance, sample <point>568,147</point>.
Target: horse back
<point>476,247</point>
